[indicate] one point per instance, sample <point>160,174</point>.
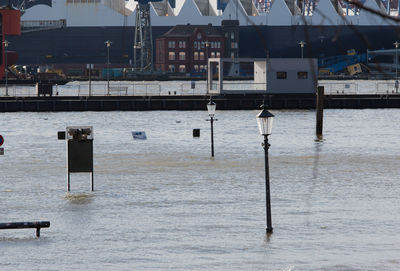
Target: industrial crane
<point>143,43</point>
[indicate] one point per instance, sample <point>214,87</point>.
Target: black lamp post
<point>264,120</point>
<point>396,83</point>
<point>207,45</point>
<point>6,43</point>
<point>211,112</point>
<point>302,43</point>
<point>108,45</point>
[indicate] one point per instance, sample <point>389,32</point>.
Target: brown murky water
<point>165,204</point>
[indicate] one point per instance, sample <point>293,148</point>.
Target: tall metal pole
<point>6,43</point>
<point>302,43</point>
<point>207,44</point>
<point>108,45</point>
<point>68,181</point>
<point>212,136</point>
<point>108,69</point>
<point>90,79</point>
<point>211,112</point>
<point>397,60</point>
<point>267,190</point>
<point>396,83</point>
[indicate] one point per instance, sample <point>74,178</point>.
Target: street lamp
<point>264,120</point>
<point>211,112</point>
<point>108,45</point>
<point>207,45</point>
<point>6,43</point>
<point>302,43</point>
<point>396,84</point>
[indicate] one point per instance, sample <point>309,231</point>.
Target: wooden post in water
<point>320,111</point>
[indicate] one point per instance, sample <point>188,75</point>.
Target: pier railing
<point>386,87</point>
<point>116,89</point>
<point>186,88</point>
<point>238,86</point>
<point>340,88</point>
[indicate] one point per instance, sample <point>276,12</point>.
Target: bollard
<point>196,132</point>
<point>320,111</point>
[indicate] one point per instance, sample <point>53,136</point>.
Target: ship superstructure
<point>92,13</point>
<point>70,31</point>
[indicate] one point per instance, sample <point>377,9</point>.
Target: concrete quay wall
<point>224,102</point>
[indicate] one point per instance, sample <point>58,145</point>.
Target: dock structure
<point>197,102</point>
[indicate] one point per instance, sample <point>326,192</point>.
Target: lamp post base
<point>269,230</point>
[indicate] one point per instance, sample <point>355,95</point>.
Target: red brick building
<point>184,48</point>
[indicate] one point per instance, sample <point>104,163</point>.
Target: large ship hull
<point>80,45</point>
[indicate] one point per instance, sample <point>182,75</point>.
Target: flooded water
<point>164,204</point>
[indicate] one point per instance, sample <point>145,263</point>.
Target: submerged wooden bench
<point>26,225</point>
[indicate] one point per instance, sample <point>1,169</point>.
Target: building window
<point>171,44</point>
<point>182,55</point>
<point>218,54</point>
<point>212,45</point>
<point>182,68</point>
<point>232,35</point>
<point>281,75</point>
<point>212,54</point>
<point>232,55</point>
<point>218,44</point>
<point>171,68</point>
<point>201,55</point>
<point>302,75</point>
<point>201,68</point>
<point>199,36</point>
<point>182,44</point>
<point>196,68</point>
<point>196,55</point>
<point>198,44</point>
<point>171,56</point>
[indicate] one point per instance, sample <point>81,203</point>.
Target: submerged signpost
<point>79,151</point>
